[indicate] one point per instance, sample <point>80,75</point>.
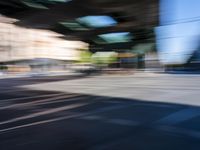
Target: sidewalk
<point>36,74</point>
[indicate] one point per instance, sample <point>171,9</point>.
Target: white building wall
<point>18,43</point>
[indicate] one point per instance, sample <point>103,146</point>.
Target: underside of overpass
<point>73,20</point>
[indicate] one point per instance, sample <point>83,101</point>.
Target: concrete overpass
<point>135,17</point>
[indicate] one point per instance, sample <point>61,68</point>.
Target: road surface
<point>36,119</point>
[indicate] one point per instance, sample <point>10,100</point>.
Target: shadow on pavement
<point>56,121</point>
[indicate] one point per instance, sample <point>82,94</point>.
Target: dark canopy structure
<point>104,24</point>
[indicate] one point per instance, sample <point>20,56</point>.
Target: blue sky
<point>98,21</point>
<point>178,35</point>
<point>174,11</point>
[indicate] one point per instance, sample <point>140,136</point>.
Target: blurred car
<point>85,68</point>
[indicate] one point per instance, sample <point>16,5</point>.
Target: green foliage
<point>3,67</point>
<point>104,60</point>
<point>85,56</point>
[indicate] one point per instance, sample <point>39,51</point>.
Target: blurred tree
<point>85,56</point>
<point>104,59</point>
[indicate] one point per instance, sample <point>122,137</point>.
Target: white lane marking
<point>187,132</point>
<point>73,98</point>
<point>93,117</point>
<point>30,97</point>
<point>66,117</point>
<point>123,122</point>
<point>40,122</point>
<point>69,98</point>
<point>180,116</point>
<point>37,101</point>
<point>47,112</point>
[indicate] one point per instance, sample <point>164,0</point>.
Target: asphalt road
<point>49,120</point>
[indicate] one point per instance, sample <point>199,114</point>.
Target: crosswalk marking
<point>49,111</point>
<point>36,102</point>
